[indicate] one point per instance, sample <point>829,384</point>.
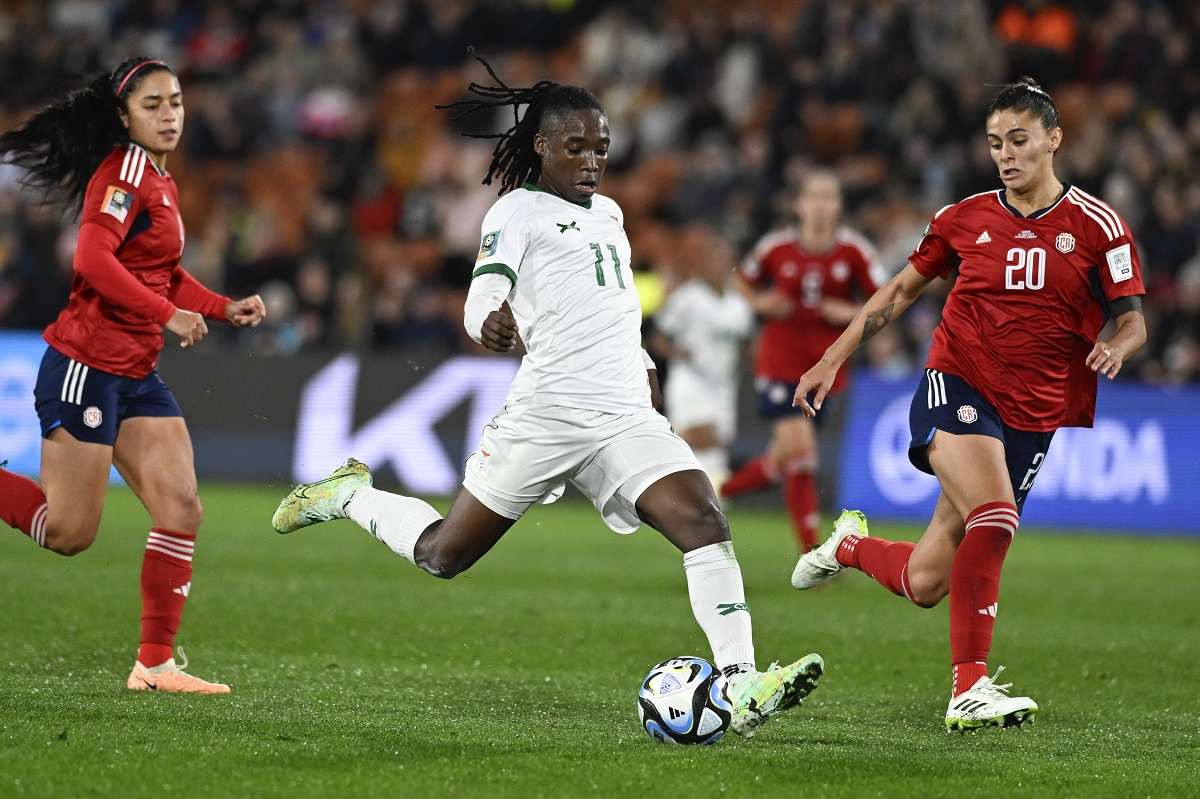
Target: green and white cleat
<point>323,500</point>
<point>757,696</point>
<point>821,564</point>
<point>986,704</point>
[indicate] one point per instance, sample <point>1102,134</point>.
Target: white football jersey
<point>712,327</point>
<point>573,298</point>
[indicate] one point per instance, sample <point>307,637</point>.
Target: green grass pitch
<point>355,675</point>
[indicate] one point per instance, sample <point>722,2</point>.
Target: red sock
<point>755,475</point>
<point>800,496</point>
<point>975,588</point>
<point>166,582</point>
<point>885,561</point>
<point>23,505</point>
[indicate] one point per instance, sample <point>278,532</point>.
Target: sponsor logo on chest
<point>1026,234</point>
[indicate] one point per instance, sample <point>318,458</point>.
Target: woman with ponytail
<point>103,150</point>
<point>1038,267</point>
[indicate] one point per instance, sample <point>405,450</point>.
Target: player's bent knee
<point>69,539</point>
<point>927,591</point>
<point>184,513</point>
<point>195,512</point>
<point>711,523</point>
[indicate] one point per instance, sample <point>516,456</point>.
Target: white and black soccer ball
<point>683,701</point>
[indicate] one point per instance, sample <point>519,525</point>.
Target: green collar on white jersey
<point>535,187</point>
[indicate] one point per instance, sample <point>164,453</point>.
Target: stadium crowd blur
<point>315,170</point>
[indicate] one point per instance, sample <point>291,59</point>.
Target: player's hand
<point>499,331</point>
<point>1105,359</point>
<point>246,312</point>
<point>189,326</point>
<point>819,379</point>
<point>773,305</point>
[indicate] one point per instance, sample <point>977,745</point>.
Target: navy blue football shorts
<point>947,402</point>
<point>775,401</point>
<point>91,404</point>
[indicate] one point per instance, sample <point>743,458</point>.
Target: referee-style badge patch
<point>117,203</point>
<point>1065,242</point>
<point>967,414</point>
<point>487,247</point>
<point>92,417</point>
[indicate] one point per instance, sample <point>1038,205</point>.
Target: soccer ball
<point>683,701</point>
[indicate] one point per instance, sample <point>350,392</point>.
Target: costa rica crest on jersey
<point>967,414</point>
<point>92,417</point>
<point>1064,243</point>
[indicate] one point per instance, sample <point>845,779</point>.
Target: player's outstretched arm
<point>892,299</point>
<point>1107,357</point>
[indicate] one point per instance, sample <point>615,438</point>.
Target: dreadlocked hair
<point>514,160</point>
<point>1026,95</point>
<point>62,145</point>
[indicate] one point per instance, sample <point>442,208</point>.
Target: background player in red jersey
<point>1040,268</point>
<point>98,394</point>
<point>804,283</point>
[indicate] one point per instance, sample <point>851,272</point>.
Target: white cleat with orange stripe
<point>169,678</point>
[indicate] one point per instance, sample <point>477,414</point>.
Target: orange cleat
<point>169,678</point>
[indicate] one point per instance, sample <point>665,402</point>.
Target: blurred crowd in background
<point>315,170</point>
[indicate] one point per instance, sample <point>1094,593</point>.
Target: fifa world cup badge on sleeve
<point>487,247</point>
<point>1120,263</point>
<point>117,203</point>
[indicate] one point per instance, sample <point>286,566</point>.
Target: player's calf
<point>442,561</point>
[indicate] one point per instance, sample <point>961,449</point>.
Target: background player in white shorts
<point>705,323</point>
<point>579,410</point>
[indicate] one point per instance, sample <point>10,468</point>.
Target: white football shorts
<point>693,401</point>
<point>528,454</point>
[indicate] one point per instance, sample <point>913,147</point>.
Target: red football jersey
<point>789,347</point>
<point>118,327</point>
<point>1029,300</point>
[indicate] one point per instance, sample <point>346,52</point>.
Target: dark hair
<point>60,146</point>
<point>1026,95</point>
<point>513,159</point>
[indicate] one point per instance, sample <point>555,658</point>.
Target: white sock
<point>396,520</point>
<point>719,603</point>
